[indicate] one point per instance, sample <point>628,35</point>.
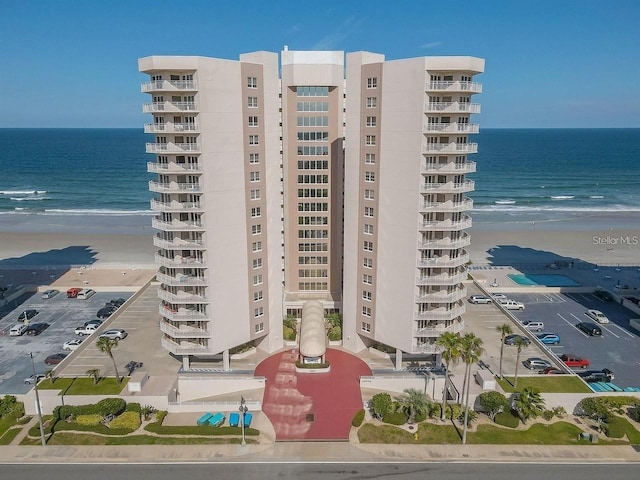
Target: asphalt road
<point>322,471</point>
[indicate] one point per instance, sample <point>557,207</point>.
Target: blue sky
<point>549,63</point>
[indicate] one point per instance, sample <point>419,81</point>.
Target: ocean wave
<point>22,192</point>
<point>596,196</point>
<point>94,211</point>
<point>23,199</point>
<point>586,209</point>
<point>504,202</point>
<point>562,197</point>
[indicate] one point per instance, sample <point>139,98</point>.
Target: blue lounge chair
<point>217,420</point>
<point>234,419</point>
<point>616,388</point>
<point>247,419</point>
<point>204,418</point>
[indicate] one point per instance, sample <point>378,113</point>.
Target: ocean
<point>521,173</point>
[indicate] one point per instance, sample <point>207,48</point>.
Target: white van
<point>85,293</point>
<point>17,330</point>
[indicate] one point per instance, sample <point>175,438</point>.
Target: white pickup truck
<point>511,304</point>
<point>87,330</point>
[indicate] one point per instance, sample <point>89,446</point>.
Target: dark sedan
<point>511,339</point>
<point>106,312</point>
<point>55,359</point>
<point>36,328</point>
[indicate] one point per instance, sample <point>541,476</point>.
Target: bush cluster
<point>395,418</point>
<point>129,420</point>
<point>10,407</point>
<point>634,413</point>
<point>133,407</point>
<point>89,419</point>
<point>358,418</point>
<point>506,419</point>
<point>106,406</point>
<point>335,333</point>
<point>288,333</point>
<point>312,366</point>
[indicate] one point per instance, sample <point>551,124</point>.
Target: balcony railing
<point>180,262</point>
<point>448,206</point>
<point>451,147</point>
<point>443,297</point>
<point>450,127</point>
<point>446,243</point>
<point>426,348</point>
<point>457,86</point>
<point>158,206</point>
<point>441,314</point>
<point>444,261</point>
<point>170,127</point>
<point>441,279</point>
<point>181,297</point>
<point>174,187</point>
<point>439,329</point>
<point>452,107</point>
<point>451,167</point>
<point>446,225</point>
<point>185,348</point>
<point>172,167</point>
<point>183,331</point>
<point>176,225</point>
<point>186,280</point>
<point>173,147</point>
<point>448,187</point>
<point>183,314</point>
<point>178,244</point>
<point>168,85</point>
<point>169,107</point>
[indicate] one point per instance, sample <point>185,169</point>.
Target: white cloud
<point>431,45</point>
<point>332,40</point>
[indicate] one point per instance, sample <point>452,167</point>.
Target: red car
<point>573,361</point>
<point>73,292</point>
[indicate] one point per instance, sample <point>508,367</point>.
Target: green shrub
<point>420,417</point>
<point>492,403</point>
<point>290,322</point>
<point>160,416</point>
<point>111,406</point>
<point>358,418</point>
<point>472,416</point>
<point>547,414</point>
<point>435,410</point>
<point>634,413</point>
<point>133,407</point>
<point>335,333</point>
<point>24,420</point>
<point>506,419</point>
<point>559,412</point>
<point>128,420</point>
<point>312,366</point>
<point>613,428</point>
<point>380,404</point>
<point>288,333</point>
<point>395,418</point>
<point>10,407</point>
<point>90,419</point>
<point>453,411</point>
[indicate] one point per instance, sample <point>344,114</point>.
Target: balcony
<point>426,348</point>
<point>172,148</point>
<point>174,187</point>
<point>180,262</point>
<point>169,86</point>
<point>172,167</point>
<point>442,279</point>
<point>175,206</point>
<point>452,107</point>
<point>180,297</point>
<point>161,107</point>
<point>444,261</point>
<point>451,167</point>
<point>183,314</point>
<point>183,348</point>
<point>176,225</point>
<point>170,128</point>
<point>443,297</point>
<point>449,128</point>
<point>179,279</point>
<point>448,187</point>
<point>441,314</point>
<point>447,148</point>
<point>457,86</point>
<point>448,206</point>
<point>446,225</point>
<point>178,244</point>
<point>447,243</point>
<point>183,331</point>
<point>437,330</point>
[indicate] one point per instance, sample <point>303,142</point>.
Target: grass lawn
<point>618,426</point>
<point>8,437</point>
<point>67,438</point>
<point>84,386</point>
<point>546,384</point>
<point>427,434</point>
<point>558,433</point>
<point>6,423</point>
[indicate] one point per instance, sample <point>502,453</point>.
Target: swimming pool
<point>552,280</point>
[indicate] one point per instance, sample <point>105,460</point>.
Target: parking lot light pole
<point>243,410</point>
<point>35,383</point>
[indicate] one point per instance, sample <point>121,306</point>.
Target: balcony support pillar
<point>398,365</point>
<point>186,363</point>
<point>226,364</point>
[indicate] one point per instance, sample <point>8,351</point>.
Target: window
<point>368,229</point>
<point>367,262</point>
<point>370,140</point>
<point>366,295</point>
<point>306,150</point>
<point>254,177</point>
<point>367,279</point>
<point>369,176</point>
<point>252,82</point>
<point>368,212</point>
<point>372,82</point>
<point>259,327</point>
<point>313,136</point>
<point>257,279</point>
<point>254,158</point>
<point>256,229</point>
<point>253,140</point>
<point>372,121</point>
<point>312,107</point>
<point>366,311</point>
<point>369,195</point>
<point>257,263</point>
<point>257,296</point>
<point>255,194</point>
<point>256,247</point>
<point>367,246</point>
<point>366,327</point>
<point>313,121</point>
<point>255,212</point>
<point>253,121</point>
<point>258,312</point>
<point>312,91</point>
<point>372,102</point>
<point>252,102</point>
<point>370,159</point>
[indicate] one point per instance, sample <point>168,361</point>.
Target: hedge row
<point>156,427</point>
<point>358,418</point>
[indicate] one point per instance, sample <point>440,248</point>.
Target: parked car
<point>88,330</point>
<point>499,296</point>
<point>33,379</point>
<point>590,329</point>
<point>512,305</point>
<point>17,330</point>
<point>591,376</point>
<point>55,359</point>
<point>71,345</point>
<point>73,292</point>
<point>114,334</point>
<point>535,363</point>
<point>548,338</point>
<point>106,312</point>
<point>27,315</point>
<point>533,325</point>
<point>479,299</point>
<point>511,339</point>
<point>85,294</point>
<point>598,316</point>
<point>95,321</point>
<point>49,293</point>
<point>551,371</point>
<point>36,328</point>
<point>573,361</point>
<point>117,302</point>
<point>603,295</point>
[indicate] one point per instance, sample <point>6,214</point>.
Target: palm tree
<point>413,402</point>
<point>450,343</point>
<point>106,345</point>
<point>504,330</point>
<point>95,374</point>
<point>520,343</point>
<point>470,350</point>
<point>528,404</point>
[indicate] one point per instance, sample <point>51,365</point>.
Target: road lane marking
<point>624,331</point>
<point>602,326</point>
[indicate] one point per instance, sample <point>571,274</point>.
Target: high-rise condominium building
<point>280,183</point>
